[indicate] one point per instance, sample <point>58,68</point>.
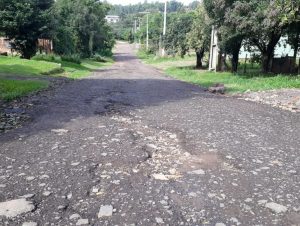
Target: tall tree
<point>179,26</point>
<point>24,22</point>
<point>263,23</point>
<point>199,36</point>
<point>81,26</point>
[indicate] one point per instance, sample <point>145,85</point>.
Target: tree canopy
<point>24,22</point>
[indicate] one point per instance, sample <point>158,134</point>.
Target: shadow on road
<point>101,97</point>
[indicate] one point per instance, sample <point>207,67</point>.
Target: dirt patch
<point>287,99</point>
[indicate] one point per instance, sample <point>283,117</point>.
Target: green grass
<point>76,71</point>
<point>22,67</point>
<point>12,89</point>
<point>16,73</point>
<point>183,69</point>
<point>233,82</point>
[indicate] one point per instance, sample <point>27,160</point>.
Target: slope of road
<point>129,146</point>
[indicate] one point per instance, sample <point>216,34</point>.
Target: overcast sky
<point>127,2</point>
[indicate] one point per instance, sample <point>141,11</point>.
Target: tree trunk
<point>199,54</point>
<point>235,57</point>
<point>268,53</point>
<point>267,58</point>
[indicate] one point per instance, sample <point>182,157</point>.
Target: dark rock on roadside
<point>217,88</point>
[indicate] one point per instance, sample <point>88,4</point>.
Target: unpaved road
<point>129,146</point>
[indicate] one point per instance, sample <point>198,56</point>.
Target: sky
<point>127,2</point>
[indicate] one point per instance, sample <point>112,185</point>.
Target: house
<point>112,19</point>
<point>44,45</point>
<point>5,46</point>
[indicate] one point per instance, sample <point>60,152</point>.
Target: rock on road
<point>129,146</point>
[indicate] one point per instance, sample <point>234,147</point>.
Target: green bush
<point>99,58</point>
<point>71,58</point>
<point>47,57</point>
<point>54,71</point>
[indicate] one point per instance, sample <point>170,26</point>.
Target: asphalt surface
<point>129,146</point>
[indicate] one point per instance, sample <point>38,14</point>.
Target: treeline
<point>258,25</point>
<point>75,26</point>
<point>173,6</point>
<point>124,30</point>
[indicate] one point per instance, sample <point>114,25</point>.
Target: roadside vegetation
<point>257,26</point>
<point>77,36</point>
<point>19,77</point>
<point>184,69</point>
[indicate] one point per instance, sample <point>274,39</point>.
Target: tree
<point>230,39</point>
<point>263,23</point>
<point>179,25</point>
<point>24,22</point>
<point>81,28</point>
<point>199,36</point>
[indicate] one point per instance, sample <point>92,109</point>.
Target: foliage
<point>263,24</point>
<point>47,57</point>
<point>121,10</point>
<point>24,22</point>
<point>199,36</point>
<point>81,28</point>
<point>176,41</point>
<point>71,58</point>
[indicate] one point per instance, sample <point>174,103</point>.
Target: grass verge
<point>12,89</point>
<point>235,83</point>
<point>183,69</point>
<point>22,67</point>
<point>16,73</point>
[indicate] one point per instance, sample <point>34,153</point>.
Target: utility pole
<point>147,42</point>
<point>135,30</point>
<point>163,52</point>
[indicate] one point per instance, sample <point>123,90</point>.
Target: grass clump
<point>12,89</point>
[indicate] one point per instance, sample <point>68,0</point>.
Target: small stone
<point>47,193</point>
<point>30,178</point>
<point>44,177</point>
<point>159,220</point>
<point>248,200</point>
<point>82,222</point>
<point>276,208</point>
<point>220,224</point>
<point>75,163</point>
<point>197,172</point>
<point>59,131</point>
<point>69,196</point>
<point>105,211</point>
<point>29,224</point>
<point>95,190</point>
<point>13,208</point>
<point>2,185</point>
<point>159,177</point>
<point>74,216</point>
<point>62,207</point>
<point>28,196</point>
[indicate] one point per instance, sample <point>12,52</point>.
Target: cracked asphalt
<point>130,146</point>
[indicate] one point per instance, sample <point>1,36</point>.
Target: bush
<point>47,57</point>
<point>54,71</point>
<point>98,58</point>
<point>71,58</point>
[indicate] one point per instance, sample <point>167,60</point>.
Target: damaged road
<point>129,146</point>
